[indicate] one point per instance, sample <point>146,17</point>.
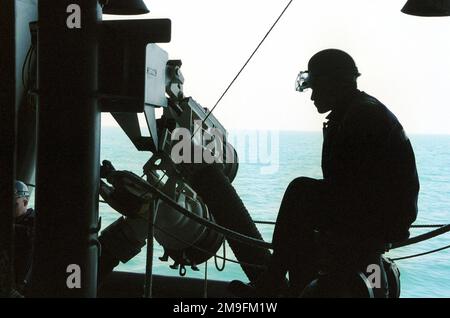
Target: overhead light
<point>124,7</point>
<point>427,8</point>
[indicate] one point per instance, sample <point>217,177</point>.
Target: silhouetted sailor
<point>368,195</point>
<point>24,220</point>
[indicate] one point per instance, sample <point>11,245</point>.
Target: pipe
<point>7,142</point>
<point>67,172</point>
<point>149,260</point>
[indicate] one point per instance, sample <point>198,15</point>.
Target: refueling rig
<point>74,66</point>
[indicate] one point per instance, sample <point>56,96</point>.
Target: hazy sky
<point>404,60</point>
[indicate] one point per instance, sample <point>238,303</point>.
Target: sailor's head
<point>22,197</point>
<point>331,75</point>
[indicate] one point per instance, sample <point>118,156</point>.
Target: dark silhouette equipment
<point>124,7</point>
<point>427,8</point>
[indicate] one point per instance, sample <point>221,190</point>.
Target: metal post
<point>67,173</point>
<point>149,262</point>
<point>7,142</point>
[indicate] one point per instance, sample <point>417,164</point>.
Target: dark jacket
<point>369,164</point>
<point>24,233</point>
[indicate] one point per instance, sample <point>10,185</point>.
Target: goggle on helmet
<point>303,81</point>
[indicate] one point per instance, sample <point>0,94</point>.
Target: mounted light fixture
<point>427,8</point>
<point>124,7</point>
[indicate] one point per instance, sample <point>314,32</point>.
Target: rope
<point>148,284</point>
<point>221,268</point>
<point>215,227</point>
<point>428,225</point>
<point>220,229</point>
<point>245,64</point>
<point>205,283</point>
<point>206,251</point>
<point>237,75</point>
<point>423,237</point>
<point>417,226</point>
<point>262,244</point>
<point>421,254</point>
<point>420,238</point>
<point>265,222</point>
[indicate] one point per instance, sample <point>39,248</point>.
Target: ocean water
<point>263,177</point>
